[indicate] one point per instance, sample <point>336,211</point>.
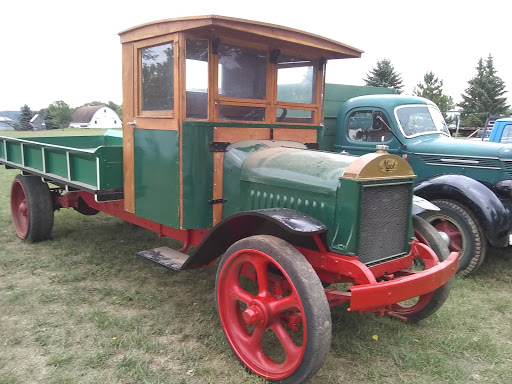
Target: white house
<point>99,116</point>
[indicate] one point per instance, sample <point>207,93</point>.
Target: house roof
<point>330,49</point>
<point>34,118</point>
<point>84,114</point>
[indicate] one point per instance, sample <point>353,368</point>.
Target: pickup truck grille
<point>460,161</point>
<point>383,223</point>
<point>507,165</point>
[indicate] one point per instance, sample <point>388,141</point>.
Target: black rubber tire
<point>427,234</point>
<point>317,313</point>
<point>40,208</point>
<point>474,243</point>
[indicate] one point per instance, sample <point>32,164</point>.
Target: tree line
<point>57,115</point>
<point>483,97</point>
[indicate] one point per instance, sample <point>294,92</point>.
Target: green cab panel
<point>156,174</point>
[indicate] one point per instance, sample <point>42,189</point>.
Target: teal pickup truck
<point>470,181</point>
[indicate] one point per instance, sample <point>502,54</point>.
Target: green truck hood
<point>443,145</point>
<point>297,169</point>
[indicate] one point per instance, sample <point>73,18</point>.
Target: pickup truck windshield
<point>420,120</point>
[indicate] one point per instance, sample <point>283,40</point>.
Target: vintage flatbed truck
<point>470,181</point>
<point>218,115</point>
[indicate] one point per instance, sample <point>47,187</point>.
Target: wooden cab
<point>193,85</point>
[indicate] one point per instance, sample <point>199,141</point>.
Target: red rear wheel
<point>31,208</point>
<point>19,209</point>
<point>273,309</point>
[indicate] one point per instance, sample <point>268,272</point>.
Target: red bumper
<point>368,296</point>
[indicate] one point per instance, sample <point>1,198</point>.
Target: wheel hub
<point>22,208</point>
<point>255,315</point>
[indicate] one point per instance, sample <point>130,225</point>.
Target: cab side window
<point>157,77</point>
<point>360,128</point>
<point>506,137</point>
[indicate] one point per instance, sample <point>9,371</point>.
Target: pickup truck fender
<point>292,226</point>
<point>493,214</point>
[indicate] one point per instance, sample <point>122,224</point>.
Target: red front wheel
<point>423,306</point>
<point>273,309</point>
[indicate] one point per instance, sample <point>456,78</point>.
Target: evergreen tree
<point>432,89</point>
<point>483,96</point>
<point>49,120</point>
<point>24,118</point>
<point>61,112</point>
<point>384,75</point>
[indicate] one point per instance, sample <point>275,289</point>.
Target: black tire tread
<point>40,208</point>
<point>437,244</point>
<point>474,255</point>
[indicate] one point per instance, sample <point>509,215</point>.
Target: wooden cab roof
<point>282,36</point>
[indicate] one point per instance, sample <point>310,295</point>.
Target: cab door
<point>150,129</point>
<point>361,137</point>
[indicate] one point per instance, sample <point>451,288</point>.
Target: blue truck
<point>502,131</point>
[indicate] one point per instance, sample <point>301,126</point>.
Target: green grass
<point>82,308</point>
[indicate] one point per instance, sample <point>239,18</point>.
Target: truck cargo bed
<point>89,163</point>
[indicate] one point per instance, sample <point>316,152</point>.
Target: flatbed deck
<point>90,163</point>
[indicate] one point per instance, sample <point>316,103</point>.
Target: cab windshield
<point>420,120</point>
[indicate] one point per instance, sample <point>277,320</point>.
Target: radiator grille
<point>383,222</point>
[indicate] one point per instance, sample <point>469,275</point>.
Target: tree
<point>24,118</point>
<point>432,89</point>
<point>61,112</point>
<point>384,75</point>
<point>483,96</point>
<point>49,120</point>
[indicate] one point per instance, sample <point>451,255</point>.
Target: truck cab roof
<point>387,102</point>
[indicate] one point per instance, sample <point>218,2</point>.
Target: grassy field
<point>82,308</point>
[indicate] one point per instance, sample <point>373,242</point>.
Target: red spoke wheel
<point>466,234</point>
<point>421,307</point>
<point>31,208</point>
<point>273,309</point>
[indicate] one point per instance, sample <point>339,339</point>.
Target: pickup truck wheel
<point>465,233</point>
<point>421,307</point>
<point>273,309</point>
<point>31,208</point>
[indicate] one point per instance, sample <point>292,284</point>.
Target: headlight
<point>504,188</point>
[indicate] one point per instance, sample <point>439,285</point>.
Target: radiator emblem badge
<point>388,165</point>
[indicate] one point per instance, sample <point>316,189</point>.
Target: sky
<point>69,50</point>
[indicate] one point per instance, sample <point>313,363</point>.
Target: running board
<point>166,257</point>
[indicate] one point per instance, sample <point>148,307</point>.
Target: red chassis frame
<point>374,288</point>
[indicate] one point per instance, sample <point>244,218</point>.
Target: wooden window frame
<point>138,46</point>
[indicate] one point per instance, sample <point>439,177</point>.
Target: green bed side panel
<point>197,174</point>
<point>56,162</point>
<point>33,157</point>
<point>14,152</point>
<point>83,169</point>
<point>156,161</point>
